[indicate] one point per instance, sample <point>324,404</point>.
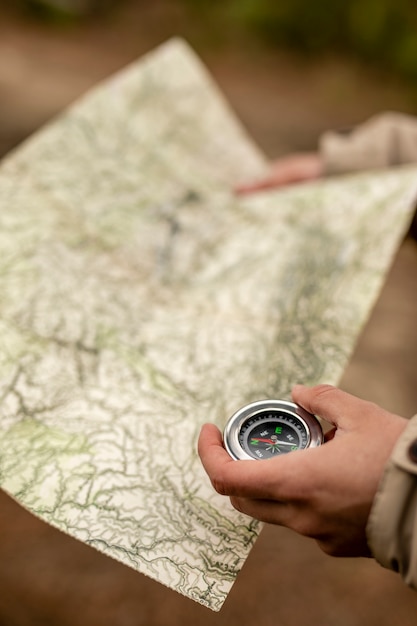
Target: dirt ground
<point>47,578</point>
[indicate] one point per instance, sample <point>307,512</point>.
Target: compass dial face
<point>272,433</point>
<point>269,428</point>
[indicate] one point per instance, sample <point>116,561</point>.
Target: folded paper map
<point>141,298</point>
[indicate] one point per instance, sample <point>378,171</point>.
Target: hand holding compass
<point>324,492</point>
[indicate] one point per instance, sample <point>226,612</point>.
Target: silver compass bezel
<point>237,420</point>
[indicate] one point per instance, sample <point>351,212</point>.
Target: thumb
<point>331,404</point>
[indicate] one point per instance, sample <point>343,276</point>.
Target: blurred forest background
<point>290,69</point>
<point>381,32</point>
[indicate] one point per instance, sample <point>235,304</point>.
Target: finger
<point>268,182</point>
<point>263,510</point>
<point>210,446</point>
<point>251,479</point>
<point>290,515</point>
<point>229,477</point>
<point>332,404</point>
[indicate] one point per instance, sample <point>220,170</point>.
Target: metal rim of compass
<point>282,407</point>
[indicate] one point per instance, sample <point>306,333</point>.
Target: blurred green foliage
<point>63,11</point>
<point>383,32</point>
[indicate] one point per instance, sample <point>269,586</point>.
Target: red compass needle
<point>255,439</point>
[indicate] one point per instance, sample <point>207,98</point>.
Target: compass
<point>269,428</point>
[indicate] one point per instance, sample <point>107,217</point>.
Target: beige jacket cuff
<point>385,140</point>
<point>392,524</point>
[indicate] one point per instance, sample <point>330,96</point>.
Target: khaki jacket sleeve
<point>392,524</point>
<point>384,140</point>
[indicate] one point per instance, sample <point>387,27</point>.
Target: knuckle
<point>321,396</point>
<point>220,484</point>
<point>305,525</point>
<point>319,391</point>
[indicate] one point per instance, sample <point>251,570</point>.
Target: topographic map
<point>141,298</point>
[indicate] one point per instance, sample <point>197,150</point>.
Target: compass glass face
<point>268,434</point>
